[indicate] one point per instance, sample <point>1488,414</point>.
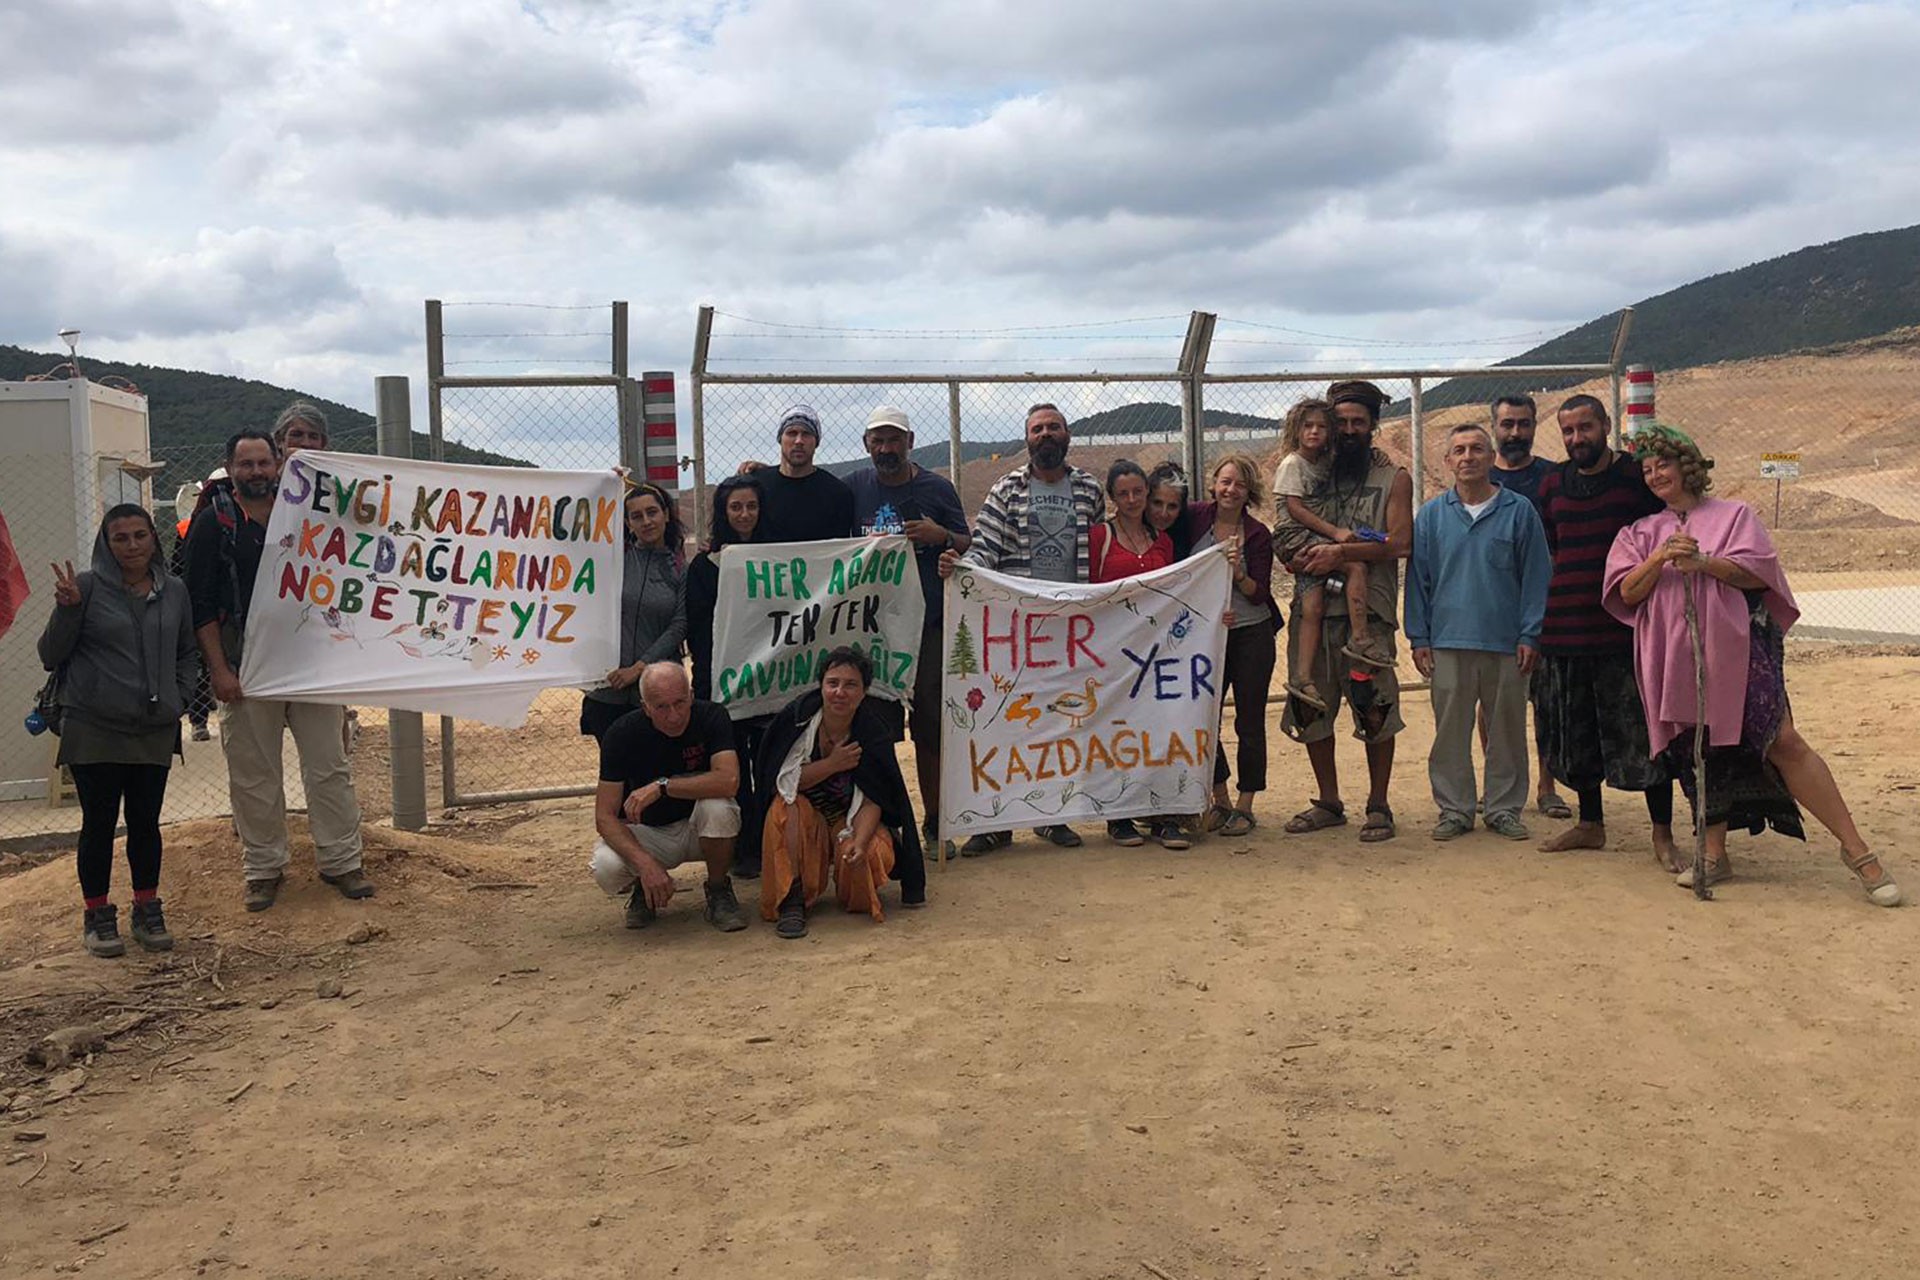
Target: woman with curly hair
<point>1757,764</point>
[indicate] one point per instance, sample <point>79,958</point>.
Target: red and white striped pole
<point>660,431</point>
<point>1639,397</point>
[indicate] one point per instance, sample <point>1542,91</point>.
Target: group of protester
<point>1577,588</point>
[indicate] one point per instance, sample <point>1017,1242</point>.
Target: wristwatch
<point>661,782</point>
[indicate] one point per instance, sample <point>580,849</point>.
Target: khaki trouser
<point>1463,680</point>
<point>251,733</point>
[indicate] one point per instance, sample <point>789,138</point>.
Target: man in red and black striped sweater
<point>1586,703</point>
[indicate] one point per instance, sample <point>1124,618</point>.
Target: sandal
<point>1304,692</point>
<point>1881,890</point>
<point>1317,816</point>
<point>1239,823</point>
<point>1372,831</point>
<point>1552,806</point>
<point>1215,817</point>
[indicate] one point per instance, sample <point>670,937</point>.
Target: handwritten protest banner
<point>785,605</point>
<point>1067,702</point>
<point>424,586</point>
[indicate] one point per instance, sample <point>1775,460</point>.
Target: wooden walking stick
<point>1701,889</point>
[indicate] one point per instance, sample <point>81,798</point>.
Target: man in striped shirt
<point>1034,524</point>
<point>1585,698</point>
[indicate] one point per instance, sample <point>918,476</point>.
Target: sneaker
<point>792,922</point>
<point>723,909</point>
<point>1367,650</point>
<point>1508,825</point>
<point>261,893</point>
<point>1167,831</point>
<point>1061,834</point>
<point>1125,834</point>
<point>148,924</point>
<point>1451,827</point>
<point>986,842</point>
<point>639,914</point>
<point>100,931</point>
<point>351,884</point>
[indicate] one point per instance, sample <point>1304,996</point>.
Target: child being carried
<point>1307,513</point>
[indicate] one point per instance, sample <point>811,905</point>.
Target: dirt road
<point>1292,1056</point>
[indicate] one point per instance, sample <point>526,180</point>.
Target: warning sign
<point>1779,466</point>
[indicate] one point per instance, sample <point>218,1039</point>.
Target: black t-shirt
<point>1525,481</point>
<point>811,508</point>
<point>634,753</point>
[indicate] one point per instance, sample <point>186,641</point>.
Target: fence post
<point>697,387</point>
<point>1639,396</point>
<point>436,370</point>
<point>1417,443</point>
<point>1614,358</point>
<point>1193,396</point>
<point>406,742</point>
<point>953,440</point>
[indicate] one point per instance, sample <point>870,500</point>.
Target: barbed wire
<point>581,333</point>
<point>945,333</point>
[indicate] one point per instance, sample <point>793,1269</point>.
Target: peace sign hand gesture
<point>66,587</point>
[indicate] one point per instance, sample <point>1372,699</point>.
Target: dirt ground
<point>1292,1056</point>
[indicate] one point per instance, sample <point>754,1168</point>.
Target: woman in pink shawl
<point>1758,765</point>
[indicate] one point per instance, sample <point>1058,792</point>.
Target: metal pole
<point>1417,443</point>
<point>619,339</point>
<point>1616,358</point>
<point>697,380</point>
<point>436,370</point>
<point>953,441</point>
<point>406,742</point>
<point>626,398</point>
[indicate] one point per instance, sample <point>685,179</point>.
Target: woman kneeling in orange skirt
<point>836,803</point>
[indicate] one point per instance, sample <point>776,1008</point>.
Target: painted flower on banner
<point>499,653</point>
<point>529,656</point>
<point>975,699</point>
<point>434,631</point>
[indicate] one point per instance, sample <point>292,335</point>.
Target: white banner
<point>1067,702</point>
<point>425,586</point>
<point>784,605</point>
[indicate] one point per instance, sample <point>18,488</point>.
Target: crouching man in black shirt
<point>668,775</point>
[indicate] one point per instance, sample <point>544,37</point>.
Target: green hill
<point>1821,296</point>
<point>192,414</point>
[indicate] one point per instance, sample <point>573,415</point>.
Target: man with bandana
<point>1034,524</point>
<point>1372,495</point>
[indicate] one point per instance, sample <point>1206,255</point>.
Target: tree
<point>963,663</point>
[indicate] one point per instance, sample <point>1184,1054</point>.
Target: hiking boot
<point>100,932</point>
<point>148,925</point>
<point>351,884</point>
<point>261,893</point>
<point>1451,827</point>
<point>639,914</point>
<point>1167,831</point>
<point>1508,825</point>
<point>1061,834</point>
<point>1125,834</point>
<point>792,922</point>
<point>986,842</point>
<point>1368,650</point>
<point>723,909</point>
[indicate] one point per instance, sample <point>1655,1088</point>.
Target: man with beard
<point>1034,524</point>
<point>799,502</point>
<point>1586,701</point>
<point>224,544</point>
<point>1515,467</point>
<point>1374,497</point>
<point>899,496</point>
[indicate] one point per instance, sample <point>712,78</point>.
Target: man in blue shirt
<point>1476,600</point>
<point>899,496</point>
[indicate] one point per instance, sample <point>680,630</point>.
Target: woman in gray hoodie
<point>124,632</point>
<point>653,605</point>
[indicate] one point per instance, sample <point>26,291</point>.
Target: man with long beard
<point>1034,524</point>
<point>1585,698</point>
<point>1373,496</point>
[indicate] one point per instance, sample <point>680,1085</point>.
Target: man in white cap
<point>799,502</point>
<point>899,496</point>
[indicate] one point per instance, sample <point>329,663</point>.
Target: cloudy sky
<point>271,189</point>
